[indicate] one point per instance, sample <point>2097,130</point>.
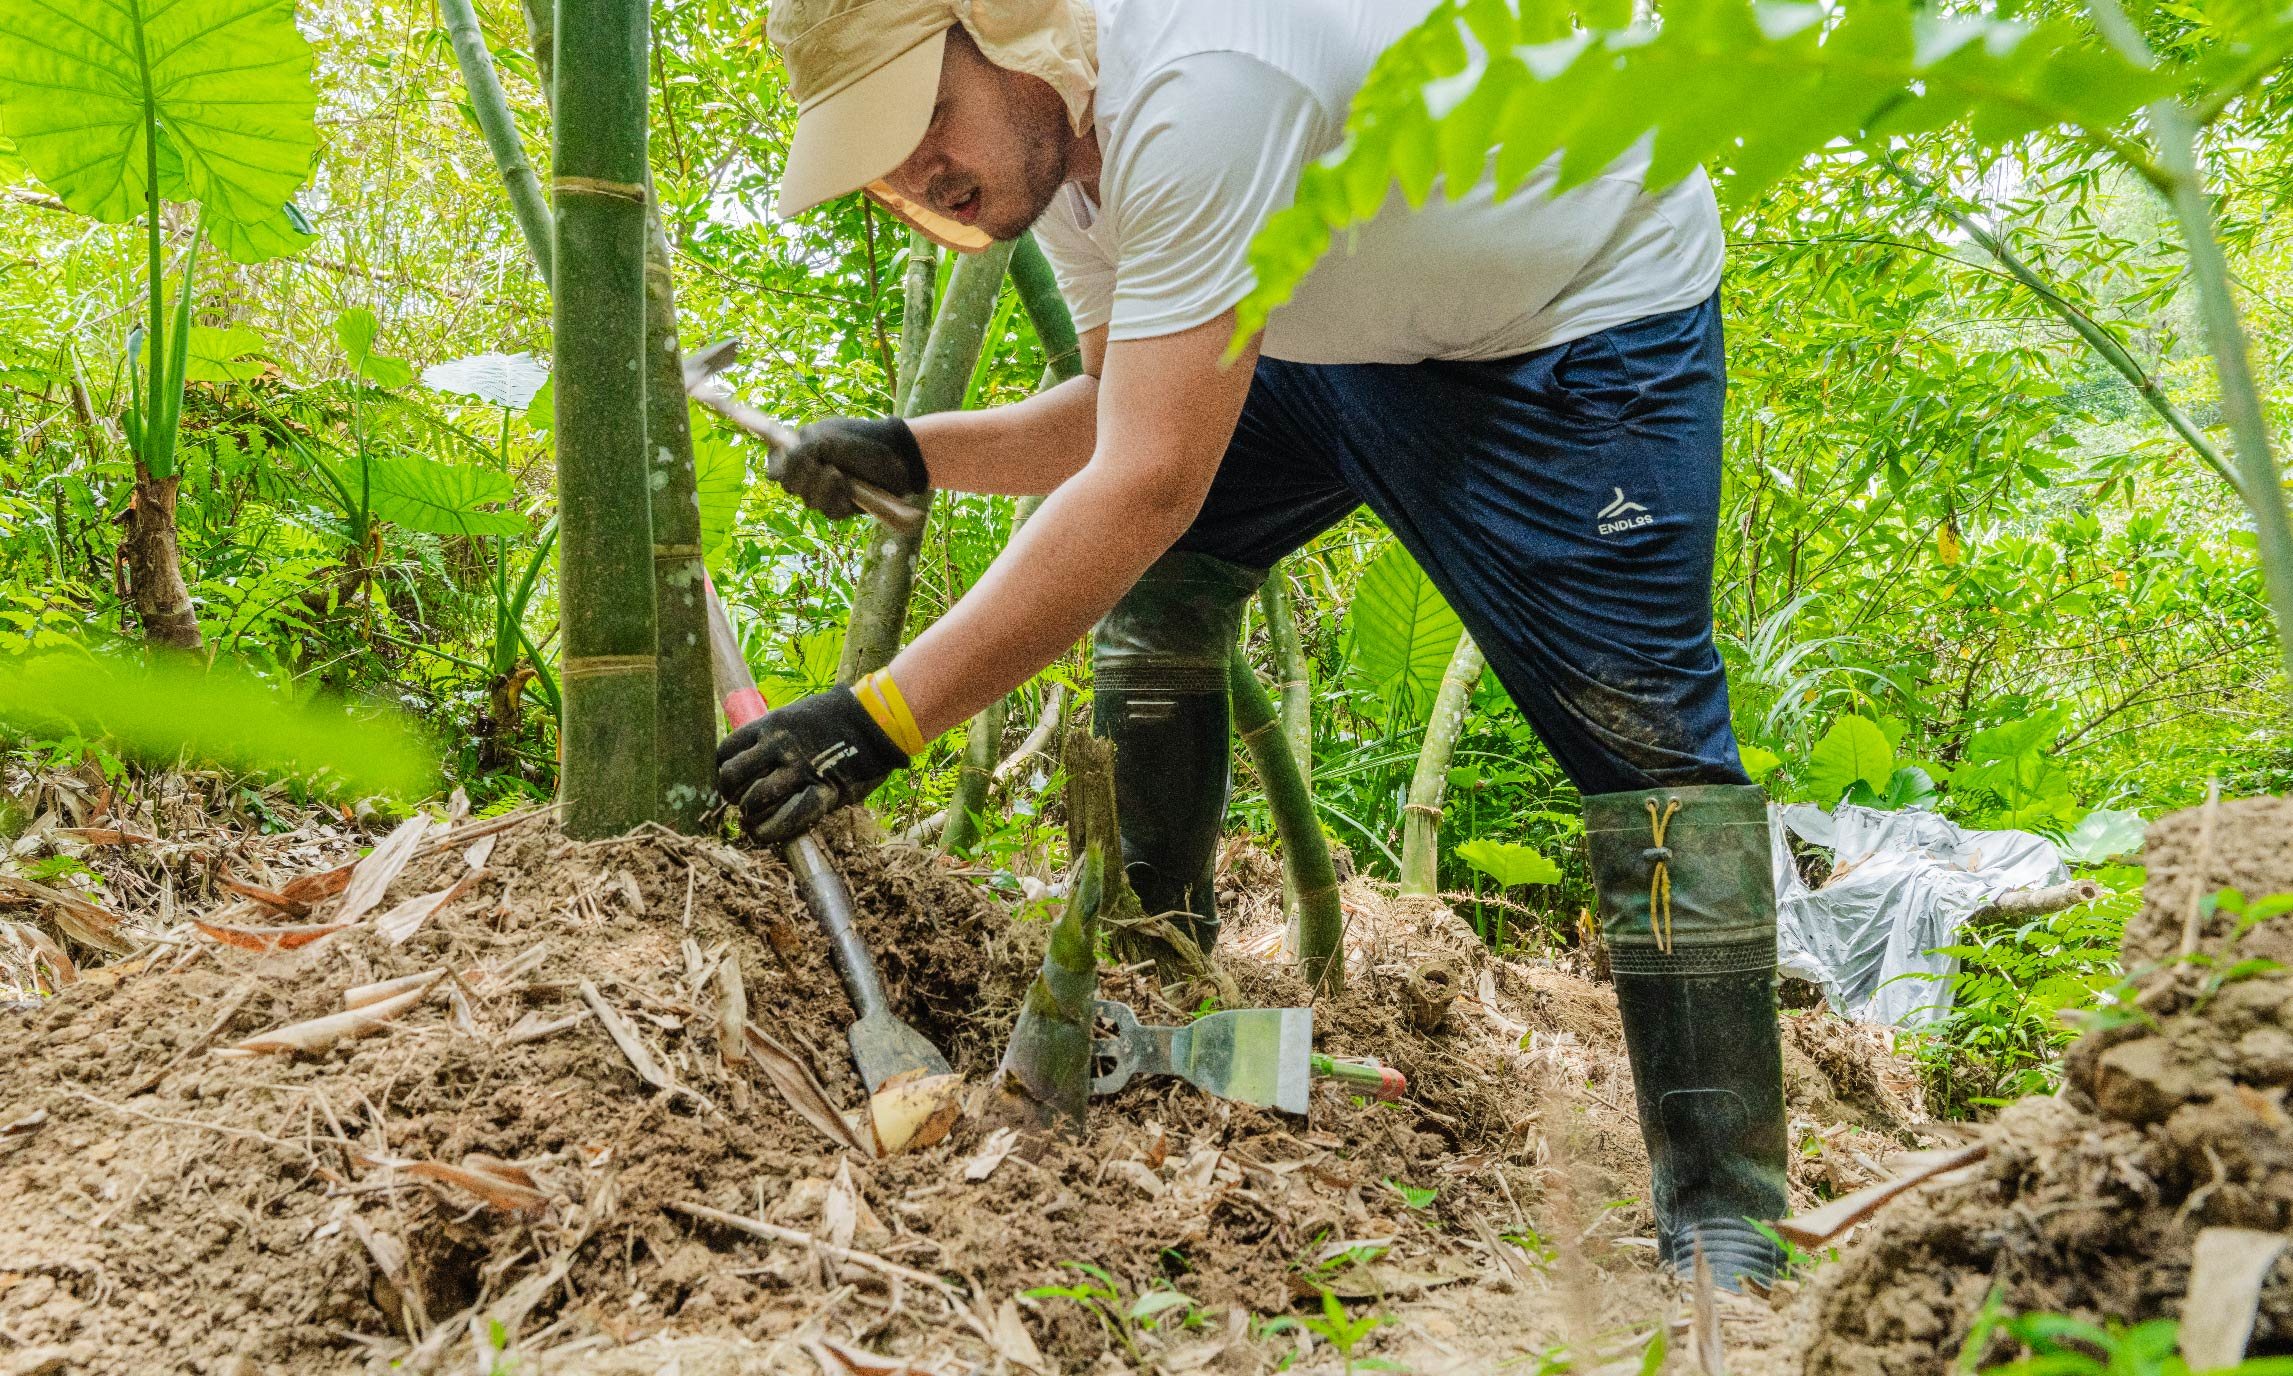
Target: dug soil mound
<point>2172,1122</point>
<point>530,1141</point>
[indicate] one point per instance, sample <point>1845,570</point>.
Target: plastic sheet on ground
<point>1902,884</point>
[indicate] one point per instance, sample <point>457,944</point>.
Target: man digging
<point>1528,394</point>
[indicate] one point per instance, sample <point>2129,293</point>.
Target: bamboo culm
<point>1320,928</point>
<point>491,107</point>
<point>686,709</point>
<point>2175,130</point>
<point>888,569</point>
<point>1038,295</point>
<point>608,780</point>
<point>983,742</point>
<point>1428,786</point>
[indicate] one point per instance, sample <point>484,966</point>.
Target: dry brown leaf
<point>481,850</point>
<point>319,884</point>
<point>42,949</point>
<point>992,1153</point>
<point>403,921</point>
<point>837,1359</point>
<point>534,1026</point>
<point>1013,1341</point>
<point>915,1114</point>
<point>793,1077</point>
<point>319,1035</point>
<point>2228,1268</point>
<point>362,995</point>
<point>1817,1227</point>
<point>732,1012</point>
<point>267,939</point>
<point>499,1184</point>
<point>624,1036</point>
<point>1146,1181</point>
<point>845,1216</point>
<point>372,876</point>
<point>90,924</point>
<point>292,907</point>
<point>108,836</point>
<point>19,1132</point>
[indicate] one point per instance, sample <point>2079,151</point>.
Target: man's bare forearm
<point>1169,410</point>
<point>1025,448</point>
<point>1063,571</point>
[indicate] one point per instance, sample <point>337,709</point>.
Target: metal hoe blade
<point>1260,1056</point>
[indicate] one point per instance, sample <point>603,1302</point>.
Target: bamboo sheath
<point>1421,817</point>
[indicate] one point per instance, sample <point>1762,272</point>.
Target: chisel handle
<point>1381,1081</point>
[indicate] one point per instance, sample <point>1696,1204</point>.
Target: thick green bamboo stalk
<point>888,569</point>
<point>686,708</point>
<point>492,108</point>
<point>921,279</point>
<point>605,532</point>
<point>1292,687</point>
<point>1039,296</point>
<point>1421,816</point>
<point>2175,130</point>
<point>1321,921</point>
<point>982,746</point>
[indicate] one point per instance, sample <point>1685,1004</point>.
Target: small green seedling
<point>1343,1331</point>
<point>1414,1197</point>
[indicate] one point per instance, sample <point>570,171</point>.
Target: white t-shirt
<point>1206,112</point>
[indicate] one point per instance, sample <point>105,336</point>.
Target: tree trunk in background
<point>888,569</point>
<point>1421,816</point>
<point>607,739</point>
<point>686,714</point>
<point>161,598</point>
<point>917,286</point>
<point>1321,921</point>
<point>492,109</point>
<point>1062,359</point>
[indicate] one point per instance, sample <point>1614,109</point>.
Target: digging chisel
<point>704,386</point>
<point>887,1051</point>
<point>1260,1056</point>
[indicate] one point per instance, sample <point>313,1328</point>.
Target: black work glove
<point>820,467</point>
<point>793,766</point>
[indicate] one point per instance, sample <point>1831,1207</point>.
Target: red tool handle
<point>736,687</point>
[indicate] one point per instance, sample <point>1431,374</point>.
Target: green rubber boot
<point>1158,667</point>
<point>1687,900</point>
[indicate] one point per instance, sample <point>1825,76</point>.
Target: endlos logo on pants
<point>1618,515</point>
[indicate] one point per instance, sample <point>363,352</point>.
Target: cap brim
<point>930,223</point>
<point>859,133</point>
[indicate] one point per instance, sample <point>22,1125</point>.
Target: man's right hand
<point>830,455</point>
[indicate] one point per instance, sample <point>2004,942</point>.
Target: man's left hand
<point>793,766</point>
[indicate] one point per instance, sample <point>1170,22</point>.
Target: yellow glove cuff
<point>882,698</point>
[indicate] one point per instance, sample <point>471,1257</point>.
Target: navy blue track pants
<point>1565,502</point>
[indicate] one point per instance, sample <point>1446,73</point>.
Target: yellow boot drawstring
<point>1660,879</point>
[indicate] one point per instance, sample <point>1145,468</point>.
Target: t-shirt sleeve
<point>1086,275</point>
<point>1211,146</point>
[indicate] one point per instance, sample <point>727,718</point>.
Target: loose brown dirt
<point>168,1206</point>
<point>2172,1121</point>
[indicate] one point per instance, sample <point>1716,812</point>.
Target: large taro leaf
<point>228,83</point>
<point>510,381</point>
<point>230,354</point>
<point>283,233</point>
<point>1402,634</point>
<point>440,498</point>
<point>1854,750</point>
<point>1509,864</point>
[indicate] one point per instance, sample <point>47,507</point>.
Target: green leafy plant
<point>1342,1330</point>
<point>1401,636</point>
<point>164,711</point>
<point>1097,1291</point>
<point>1509,864</point>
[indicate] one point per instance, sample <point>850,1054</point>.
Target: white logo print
<point>1617,516</point>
